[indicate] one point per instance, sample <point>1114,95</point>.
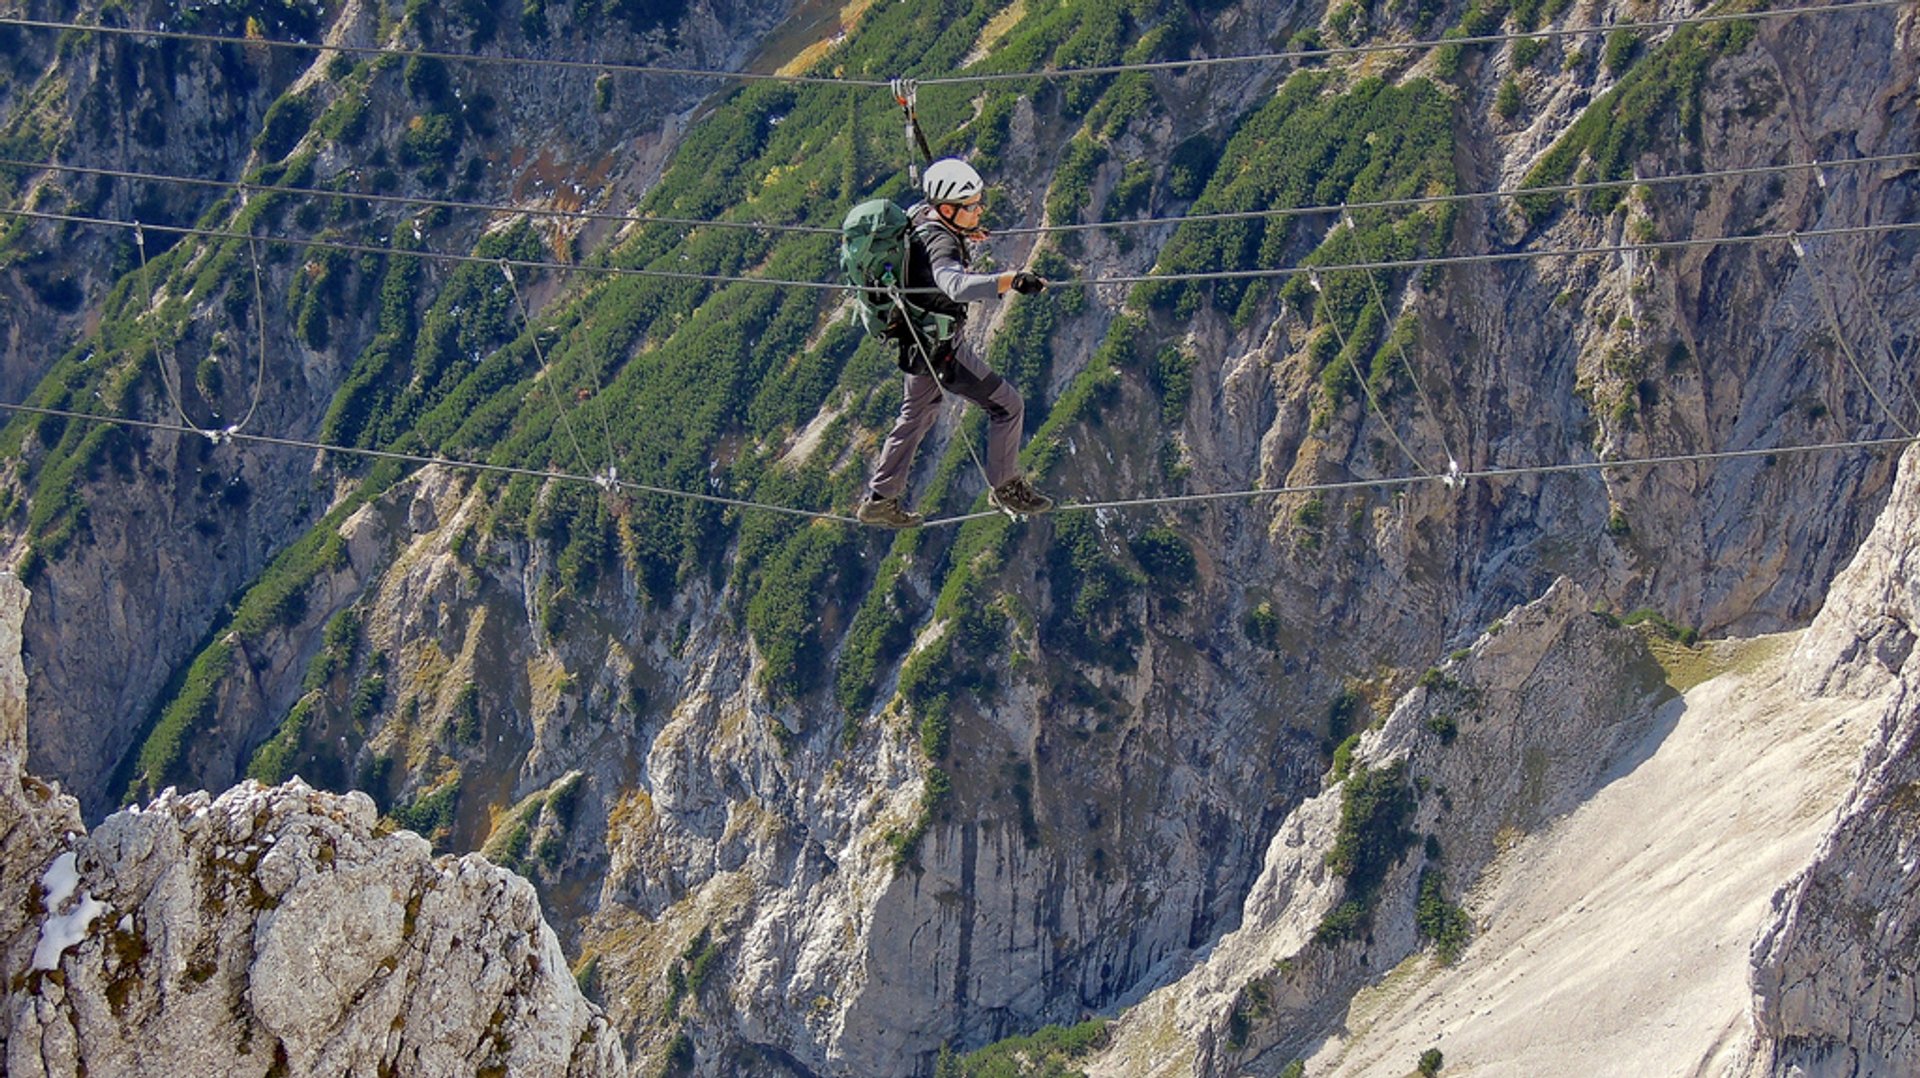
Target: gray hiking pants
<point>965,377</point>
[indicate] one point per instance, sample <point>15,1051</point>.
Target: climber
<point>943,224</point>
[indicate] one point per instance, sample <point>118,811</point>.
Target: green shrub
<point>1652,98</point>
<point>1130,193</point>
<point>1376,805</point>
<point>1509,100</point>
<point>1660,625</point>
<point>1622,48</point>
<point>1166,557</point>
<point>1343,755</point>
<point>1439,921</point>
<point>1261,625</point>
<point>1046,1053</point>
<point>1348,22</point>
<point>1253,1005</point>
<point>272,762</point>
<point>1344,922</point>
<point>1172,375</point>
<point>1190,166</point>
<point>429,139</point>
<point>1072,186</point>
<point>426,78</point>
<point>286,122</point>
<point>431,815</point>
<point>1430,1063</point>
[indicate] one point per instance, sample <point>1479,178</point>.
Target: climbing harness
<point>946,398</point>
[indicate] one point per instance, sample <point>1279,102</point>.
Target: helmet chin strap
<point>945,212</point>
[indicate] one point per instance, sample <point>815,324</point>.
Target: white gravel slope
<point>1616,942</point>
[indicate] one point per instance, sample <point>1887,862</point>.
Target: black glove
<point>1028,283</point>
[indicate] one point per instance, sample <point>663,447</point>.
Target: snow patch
<point>64,929</point>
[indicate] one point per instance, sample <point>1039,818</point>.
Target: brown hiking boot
<point>1016,495</point>
<point>887,513</point>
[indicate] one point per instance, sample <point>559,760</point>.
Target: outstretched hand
<point>1028,283</point>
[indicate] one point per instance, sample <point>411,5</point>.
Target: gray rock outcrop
<point>1493,744</point>
<point>1837,976</point>
<point>270,930</point>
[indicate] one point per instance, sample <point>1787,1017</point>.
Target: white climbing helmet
<point>951,181</point>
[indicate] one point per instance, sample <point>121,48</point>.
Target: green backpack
<point>875,250</point>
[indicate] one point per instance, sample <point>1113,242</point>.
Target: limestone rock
<point>1837,976</point>
<point>276,928</point>
<point>1496,742</point>
<point>270,930</point>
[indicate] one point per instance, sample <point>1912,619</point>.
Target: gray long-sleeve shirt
<point>949,260</point>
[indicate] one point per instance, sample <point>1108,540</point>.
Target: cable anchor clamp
<point>1793,240</point>
<point>1346,219</point>
<point>907,93</point>
<point>1453,479</point>
<point>1313,278</point>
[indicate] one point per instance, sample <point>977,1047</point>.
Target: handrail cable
<point>1035,230</point>
<point>165,356</point>
<point>1315,55</point>
<point>1413,375</point>
<point>617,67</point>
<point>1211,275</point>
<point>1874,312</point>
<point>946,397</point>
<point>259,317</point>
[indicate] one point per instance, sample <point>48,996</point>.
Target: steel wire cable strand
<point>1420,201</point>
<point>617,67</point>
<point>1413,202</point>
<point>546,373</point>
<point>422,201</point>
<point>1491,257</point>
<point>1353,366</point>
<point>426,459</point>
<point>836,286</point>
<point>1491,474</point>
<point>1825,297</point>
<point>1387,482</point>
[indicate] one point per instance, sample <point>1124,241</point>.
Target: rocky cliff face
<point>1497,742</point>
<point>267,931</point>
<point>1831,968</point>
<point>208,520</point>
<point>1834,975</point>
